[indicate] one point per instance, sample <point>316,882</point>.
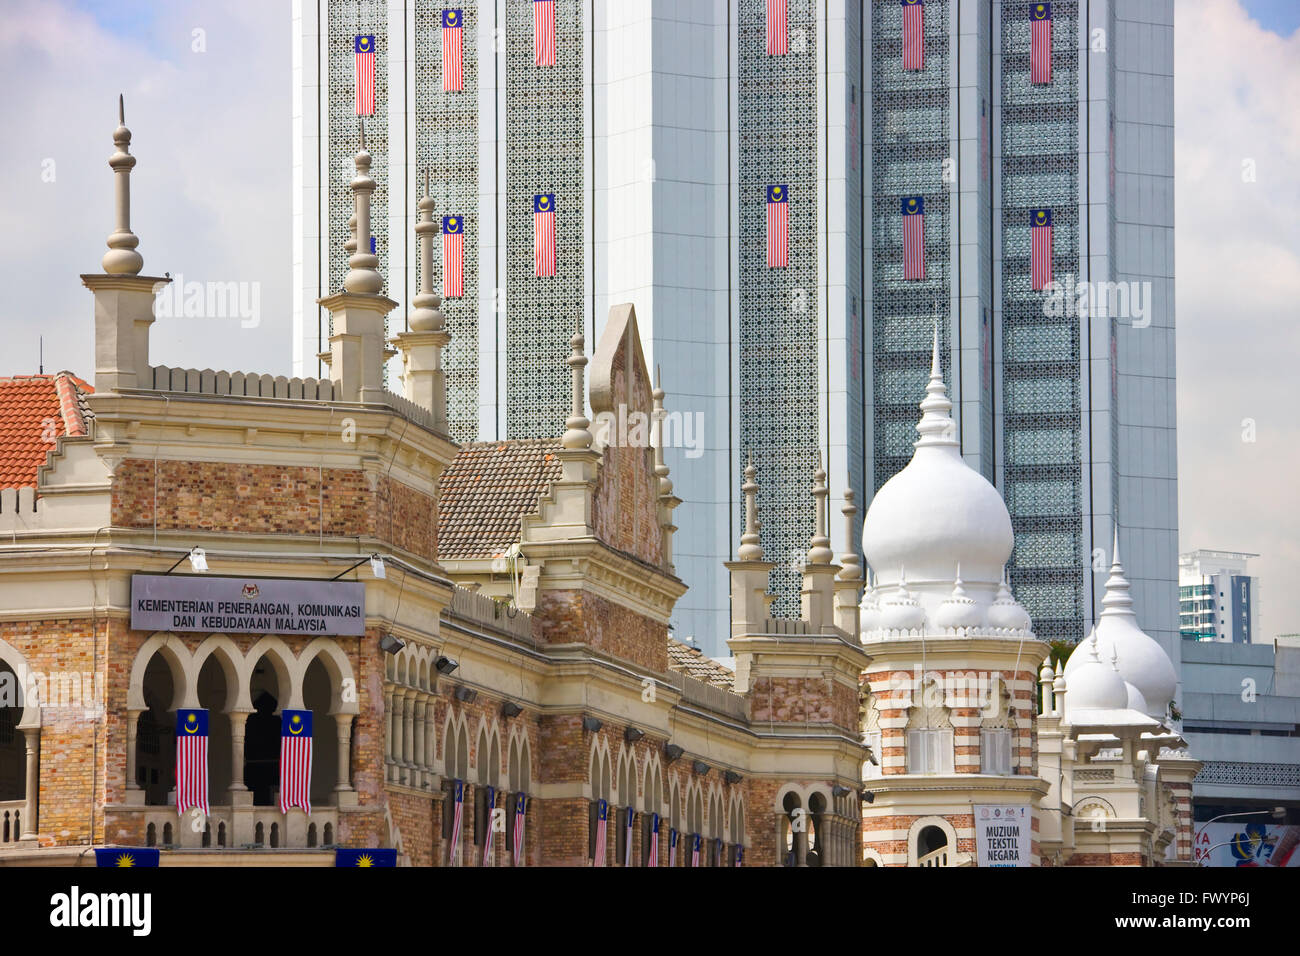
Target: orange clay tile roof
<point>485,491</point>
<point>687,660</point>
<point>34,411</point>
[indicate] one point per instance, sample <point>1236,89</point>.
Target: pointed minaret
<point>848,583</point>
<point>936,425</point>
<point>668,502</point>
<point>1117,600</point>
<point>749,572</point>
<point>124,299</point>
<point>423,379</point>
<point>817,597</point>
<point>357,348</point>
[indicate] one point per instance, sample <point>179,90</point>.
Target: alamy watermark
<point>638,429</point>
<point>209,300</point>
<point>1099,300</point>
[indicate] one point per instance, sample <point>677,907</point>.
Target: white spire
<point>657,415</point>
<point>576,435</point>
<point>850,566</point>
<point>121,258</point>
<point>1117,600</point>
<point>936,425</point>
<point>426,316</point>
<point>363,265</point>
<point>751,548</point>
<point>819,551</point>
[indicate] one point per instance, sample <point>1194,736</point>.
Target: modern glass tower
<point>659,130</point>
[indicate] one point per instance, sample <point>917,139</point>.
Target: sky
<point>207,87</point>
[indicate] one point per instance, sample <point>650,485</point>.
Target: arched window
<point>929,733</point>
<point>601,789</point>
<point>818,831</point>
<point>626,843</point>
<point>931,847</point>
<point>871,736</point>
<point>996,732</point>
<point>793,844</point>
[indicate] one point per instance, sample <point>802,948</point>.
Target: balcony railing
<point>237,828</point>
<point>13,818</point>
<point>937,857</point>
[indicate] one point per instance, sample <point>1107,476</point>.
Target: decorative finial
<point>363,265</point>
<point>850,567</point>
<point>1117,600</point>
<point>576,434</point>
<point>936,426</point>
<point>751,548</point>
<point>121,258</point>
<point>657,417</point>
<point>819,551</point>
<point>426,316</point>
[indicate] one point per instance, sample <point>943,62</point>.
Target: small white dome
<point>1092,684</point>
<point>959,610</point>
<point>938,510</point>
<point>901,612</point>
<point>1006,612</point>
<point>1142,661</point>
<point>869,610</point>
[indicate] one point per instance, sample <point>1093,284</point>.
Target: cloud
<point>210,192</point>
<point>1238,289</point>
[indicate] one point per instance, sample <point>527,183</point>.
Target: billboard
<point>188,602</point>
<point>1003,835</point>
<point>1246,844</point>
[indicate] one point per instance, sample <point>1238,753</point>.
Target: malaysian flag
<point>697,844</point>
<point>363,48</point>
<point>778,28</point>
<point>984,140</point>
<point>192,760</point>
<point>740,855</point>
<point>672,846</point>
<point>654,840</point>
<point>1040,248</point>
<point>453,75</point>
<point>453,257</point>
<point>544,234</point>
<point>602,821</point>
<point>544,32</point>
<point>457,818</point>
<point>627,837</point>
<point>1040,47</point>
<point>986,351</point>
<point>778,227</point>
<point>913,237</point>
<point>521,804</point>
<point>717,852</point>
<point>295,760</point>
<point>913,34</point>
<point>490,804</point>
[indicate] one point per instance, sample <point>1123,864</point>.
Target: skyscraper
<point>663,128</point>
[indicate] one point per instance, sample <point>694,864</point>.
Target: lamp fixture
<point>465,694</point>
<point>591,724</point>
<point>390,644</point>
<point>633,734</point>
<point>868,796</point>
<point>839,790</point>
<point>198,560</point>
<point>445,665</point>
<point>673,752</point>
<point>511,709</point>
<point>731,776</point>
<point>701,768</point>
<point>377,566</point>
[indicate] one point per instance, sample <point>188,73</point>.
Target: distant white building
<point>1217,599</point>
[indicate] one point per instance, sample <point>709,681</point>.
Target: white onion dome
<point>1006,613</point>
<point>1142,661</point>
<point>938,510</point>
<point>1135,699</point>
<point>959,610</point>
<point>901,612</point>
<point>1094,685</point>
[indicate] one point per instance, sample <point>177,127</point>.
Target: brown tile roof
<point>486,489</point>
<point>34,411</point>
<point>687,660</point>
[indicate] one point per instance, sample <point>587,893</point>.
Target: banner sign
<point>1003,835</point>
<point>189,602</point>
<point>1244,843</point>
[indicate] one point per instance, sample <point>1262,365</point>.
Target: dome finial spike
<point>936,426</point>
<point>122,258</point>
<point>427,315</point>
<point>1114,550</point>
<point>121,109</point>
<point>363,265</point>
<point>935,372</point>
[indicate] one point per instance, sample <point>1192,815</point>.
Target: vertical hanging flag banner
<point>544,234</point>
<point>295,760</point>
<point>491,805</point>
<point>984,139</point>
<point>521,805</point>
<point>697,844</point>
<point>740,855</point>
<point>986,352</point>
<point>192,760</point>
<point>363,64</point>
<point>544,32</point>
<point>453,74</point>
<point>778,28</point>
<point>1040,248</point>
<point>627,836</point>
<point>913,34</point>
<point>853,124</point>
<point>1040,45</point>
<point>653,859</point>
<point>913,237</point>
<point>602,821</point>
<point>672,846</point>
<point>453,257</point>
<point>717,852</point>
<point>778,227</point>
<point>457,819</point>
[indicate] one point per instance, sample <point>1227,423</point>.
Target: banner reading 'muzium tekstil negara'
<point>247,605</point>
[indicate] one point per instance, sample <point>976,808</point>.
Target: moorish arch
<point>20,740</point>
